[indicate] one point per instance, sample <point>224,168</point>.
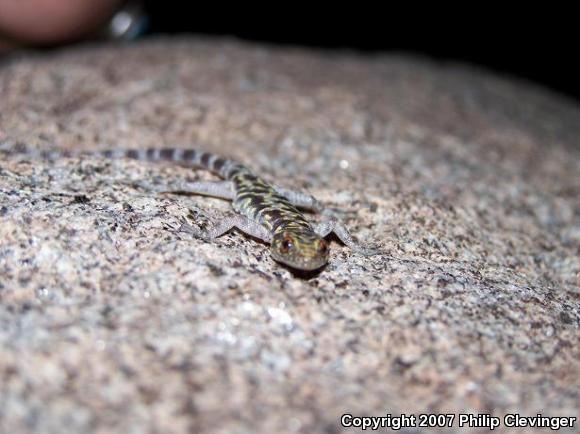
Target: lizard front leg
<point>241,222</point>
<point>332,224</point>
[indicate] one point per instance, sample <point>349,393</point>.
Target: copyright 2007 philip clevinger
<point>511,420</point>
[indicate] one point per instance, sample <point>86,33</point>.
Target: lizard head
<point>302,250</point>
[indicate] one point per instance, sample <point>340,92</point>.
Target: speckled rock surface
<point>111,321</point>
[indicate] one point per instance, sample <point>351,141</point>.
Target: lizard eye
<point>287,244</point>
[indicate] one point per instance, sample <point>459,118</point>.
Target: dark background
<point>535,45</point>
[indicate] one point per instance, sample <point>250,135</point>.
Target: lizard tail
<point>221,166</point>
<point>224,167</point>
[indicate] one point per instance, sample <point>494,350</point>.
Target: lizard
<point>263,210</point>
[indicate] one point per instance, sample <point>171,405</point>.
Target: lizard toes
<point>193,231</point>
<point>368,251</point>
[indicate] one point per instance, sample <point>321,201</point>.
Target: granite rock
<point>113,321</point>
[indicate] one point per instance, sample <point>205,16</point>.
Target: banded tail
<point>221,166</point>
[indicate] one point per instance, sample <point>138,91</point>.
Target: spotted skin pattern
<point>263,210</point>
<point>294,240</point>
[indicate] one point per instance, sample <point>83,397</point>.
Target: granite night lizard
<point>263,210</point>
